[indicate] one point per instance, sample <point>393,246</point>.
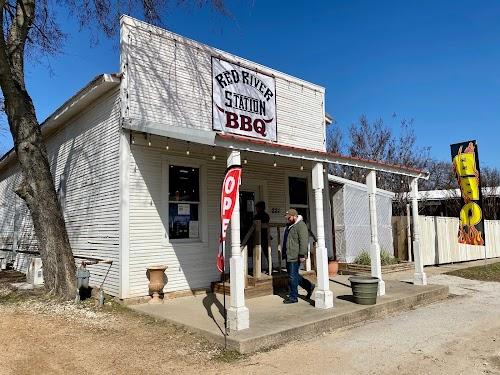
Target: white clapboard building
<point>138,159</point>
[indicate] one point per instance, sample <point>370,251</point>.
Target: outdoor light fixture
<point>187,151</point>
<point>133,139</point>
<point>167,147</point>
<point>245,161</point>
<point>149,141</point>
<point>275,164</point>
<point>213,155</point>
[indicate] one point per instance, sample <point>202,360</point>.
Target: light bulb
<point>214,157</point>
<point>245,161</point>
<point>274,164</point>
<point>187,152</point>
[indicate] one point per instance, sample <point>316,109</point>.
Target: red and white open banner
<point>230,188</point>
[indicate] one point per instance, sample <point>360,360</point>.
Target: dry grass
<point>116,339</point>
<point>489,272</point>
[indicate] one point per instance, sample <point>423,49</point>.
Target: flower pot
<point>364,289</point>
<point>156,275</point>
<point>333,268</point>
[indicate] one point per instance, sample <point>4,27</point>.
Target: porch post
<point>237,313</point>
<point>371,183</point>
<point>420,278</point>
<point>323,294</point>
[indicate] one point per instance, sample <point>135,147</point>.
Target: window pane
<point>183,220</point>
<point>184,184</point>
<point>297,190</point>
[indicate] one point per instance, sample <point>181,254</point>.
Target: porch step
<point>263,286</point>
<point>260,290</point>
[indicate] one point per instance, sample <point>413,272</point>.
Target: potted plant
<point>364,289</point>
<point>333,266</point>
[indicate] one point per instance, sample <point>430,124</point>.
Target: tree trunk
<point>37,187</point>
<point>38,191</point>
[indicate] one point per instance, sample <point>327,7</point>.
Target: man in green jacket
<point>295,242</point>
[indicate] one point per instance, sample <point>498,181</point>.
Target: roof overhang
<point>93,90</point>
<point>263,147</point>
<point>358,185</point>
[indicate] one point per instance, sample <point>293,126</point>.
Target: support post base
<point>323,299</point>
<point>420,279</point>
<point>238,318</point>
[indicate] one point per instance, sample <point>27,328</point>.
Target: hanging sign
<point>466,166</point>
<point>229,195</point>
<point>244,101</point>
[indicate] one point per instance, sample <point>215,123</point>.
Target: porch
<point>274,323</point>
<point>170,225</point>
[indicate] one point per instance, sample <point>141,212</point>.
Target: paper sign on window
<point>193,229</point>
<point>183,209</point>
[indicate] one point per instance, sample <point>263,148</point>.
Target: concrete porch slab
<point>272,323</point>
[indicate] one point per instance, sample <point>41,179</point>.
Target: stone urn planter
<point>156,276</point>
<point>364,289</point>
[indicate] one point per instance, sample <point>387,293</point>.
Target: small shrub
<point>386,258</point>
<point>363,258</point>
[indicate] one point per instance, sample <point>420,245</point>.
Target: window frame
<point>167,161</point>
<point>311,220</point>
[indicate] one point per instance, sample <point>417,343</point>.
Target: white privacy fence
<point>439,241</point>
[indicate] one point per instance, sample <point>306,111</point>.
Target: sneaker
<point>310,292</point>
<point>288,300</point>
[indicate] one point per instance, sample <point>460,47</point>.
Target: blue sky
<point>437,62</point>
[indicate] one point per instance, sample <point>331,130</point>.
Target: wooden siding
<point>84,161</point>
<point>192,265</point>
<point>168,80</point>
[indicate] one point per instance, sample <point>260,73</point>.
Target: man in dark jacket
<point>295,243</point>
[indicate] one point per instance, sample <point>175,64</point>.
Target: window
<point>183,202</point>
<point>297,191</point>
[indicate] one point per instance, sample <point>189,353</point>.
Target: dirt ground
<point>458,336</point>
<point>41,336</point>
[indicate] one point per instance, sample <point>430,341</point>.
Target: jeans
<point>295,279</point>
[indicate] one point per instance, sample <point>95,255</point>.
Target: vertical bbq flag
<point>466,166</point>
<point>228,198</point>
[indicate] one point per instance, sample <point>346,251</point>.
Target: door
<point>247,210</point>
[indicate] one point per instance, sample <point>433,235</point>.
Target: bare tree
<point>376,141</point>
<point>29,28</point>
